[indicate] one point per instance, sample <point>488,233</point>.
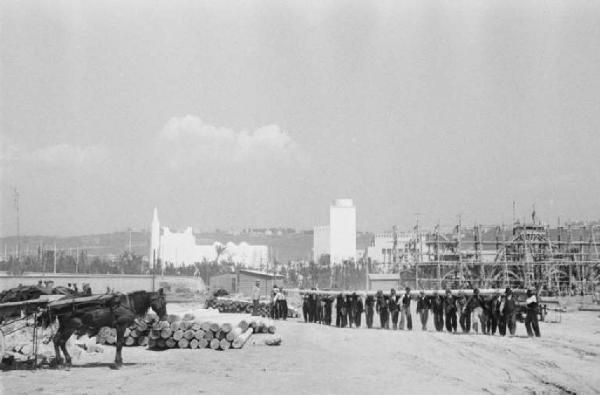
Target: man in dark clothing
<point>494,317</point>
<point>450,311</point>
<point>477,305</point>
<point>318,309</point>
<point>464,312</point>
<point>359,309</point>
<point>393,307</point>
<point>305,307</point>
<point>313,307</point>
<point>339,302</point>
<point>344,319</point>
<point>369,304</point>
<point>349,310</point>
<point>405,311</point>
<point>531,320</point>
<point>383,310</point>
<point>508,308</point>
<point>284,305</point>
<point>437,307</point>
<point>423,306</point>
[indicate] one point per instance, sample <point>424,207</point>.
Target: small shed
<point>247,278</point>
<point>383,282</point>
<point>243,281</point>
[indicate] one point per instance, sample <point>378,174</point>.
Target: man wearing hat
<point>393,306</point>
<point>494,318</point>
<point>450,311</point>
<point>423,306</point>
<point>464,313</point>
<point>369,303</point>
<point>405,311</point>
<point>437,307</point>
<point>508,308</point>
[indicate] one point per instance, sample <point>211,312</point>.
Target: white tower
<point>154,240</point>
<point>342,231</point>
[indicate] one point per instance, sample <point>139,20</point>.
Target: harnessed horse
<point>118,313</point>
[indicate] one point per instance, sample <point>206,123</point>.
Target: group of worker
<point>496,314</point>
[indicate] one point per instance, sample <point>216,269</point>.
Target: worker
<point>339,302</point>
<point>508,308</point>
<point>305,307</point>
<point>344,311</point>
<point>275,304</point>
<point>477,305</point>
<point>437,307</point>
<point>383,310</point>
<point>394,300</point>
<point>531,319</point>
<point>359,309</point>
<point>284,305</point>
<point>369,302</point>
<point>256,298</point>
<point>312,303</point>
<point>464,313</point>
<point>349,311</point>
<point>450,312</point>
<point>318,310</point>
<point>494,317</point>
<point>423,306</point>
<point>405,311</point>
<point>323,308</point>
<point>328,308</point>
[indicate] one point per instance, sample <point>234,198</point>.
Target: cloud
<point>187,141</point>
<point>65,155</point>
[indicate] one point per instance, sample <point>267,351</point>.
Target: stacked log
<point>230,305</point>
<point>137,334</point>
<point>199,335</point>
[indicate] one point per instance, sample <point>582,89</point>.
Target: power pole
<point>54,258</point>
<point>16,200</point>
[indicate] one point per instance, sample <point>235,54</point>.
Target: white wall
<point>342,231</point>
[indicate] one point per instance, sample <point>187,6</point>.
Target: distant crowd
<point>498,313</point>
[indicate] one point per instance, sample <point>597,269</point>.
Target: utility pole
<point>16,201</point>
<point>54,258</point>
<point>129,242</point>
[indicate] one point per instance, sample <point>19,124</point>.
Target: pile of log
<point>197,334</point>
<point>135,335</point>
<point>187,332</point>
<point>232,305</point>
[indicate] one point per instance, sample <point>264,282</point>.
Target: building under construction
<point>560,259</point>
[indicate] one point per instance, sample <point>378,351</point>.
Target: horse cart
<point>15,316</point>
<point>18,315</point>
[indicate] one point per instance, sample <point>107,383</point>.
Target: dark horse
<point>120,312</point>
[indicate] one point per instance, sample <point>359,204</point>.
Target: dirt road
<point>318,359</point>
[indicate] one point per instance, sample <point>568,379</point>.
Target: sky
<point>235,114</point>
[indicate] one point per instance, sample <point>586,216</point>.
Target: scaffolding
<point>561,259</point>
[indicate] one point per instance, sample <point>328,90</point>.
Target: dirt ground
<point>317,359</point>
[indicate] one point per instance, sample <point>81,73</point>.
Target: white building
<point>180,249</point>
<point>381,249</point>
<point>338,240</point>
<point>342,231</point>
